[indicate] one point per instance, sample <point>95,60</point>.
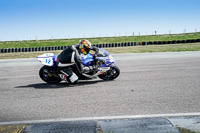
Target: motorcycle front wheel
<point>46,74</point>
<point>111,74</point>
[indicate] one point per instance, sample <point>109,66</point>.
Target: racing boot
<point>70,76</point>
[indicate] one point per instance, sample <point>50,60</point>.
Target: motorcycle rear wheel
<point>48,78</point>
<point>111,74</point>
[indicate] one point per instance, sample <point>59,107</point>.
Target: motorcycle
<point>51,72</point>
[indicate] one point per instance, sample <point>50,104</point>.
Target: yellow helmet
<point>85,46</point>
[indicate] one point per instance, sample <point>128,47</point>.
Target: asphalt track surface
<point>149,83</point>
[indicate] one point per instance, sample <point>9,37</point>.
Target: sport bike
<point>52,72</point>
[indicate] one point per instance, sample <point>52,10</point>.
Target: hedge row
<point>125,44</point>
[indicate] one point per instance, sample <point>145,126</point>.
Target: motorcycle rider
<point>73,54</point>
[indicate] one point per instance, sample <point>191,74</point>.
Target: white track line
<point>100,118</point>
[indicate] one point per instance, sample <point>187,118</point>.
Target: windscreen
<point>102,53</point>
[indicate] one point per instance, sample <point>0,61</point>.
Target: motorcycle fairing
<point>101,55</point>
<point>48,59</point>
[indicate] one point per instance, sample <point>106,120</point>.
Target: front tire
<point>47,77</point>
<point>111,74</point>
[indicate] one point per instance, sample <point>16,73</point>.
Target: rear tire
<point>111,74</point>
<point>48,78</point>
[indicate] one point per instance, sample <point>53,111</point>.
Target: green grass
<point>157,48</point>
<point>101,40</point>
<point>131,49</point>
<point>11,128</point>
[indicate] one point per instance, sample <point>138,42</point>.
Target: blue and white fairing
<point>101,55</point>
<point>48,59</point>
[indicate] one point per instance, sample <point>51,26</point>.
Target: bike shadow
<point>60,85</point>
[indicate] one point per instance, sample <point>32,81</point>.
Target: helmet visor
<point>87,46</point>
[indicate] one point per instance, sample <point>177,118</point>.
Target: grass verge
<point>100,40</point>
<point>132,49</point>
<point>11,128</point>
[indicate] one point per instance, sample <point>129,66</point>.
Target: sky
<point>63,19</point>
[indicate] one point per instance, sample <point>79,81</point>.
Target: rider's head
<point>85,46</point>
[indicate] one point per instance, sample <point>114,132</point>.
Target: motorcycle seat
<point>64,64</point>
